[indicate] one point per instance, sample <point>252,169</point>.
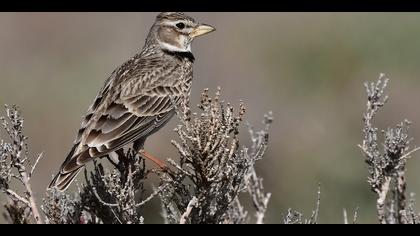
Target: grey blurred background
<point>308,68</point>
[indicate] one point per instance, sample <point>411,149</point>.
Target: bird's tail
<point>66,175</point>
<point>62,181</point>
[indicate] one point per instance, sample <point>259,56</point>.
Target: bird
<point>138,98</point>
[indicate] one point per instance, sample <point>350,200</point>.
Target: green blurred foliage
<point>308,68</point>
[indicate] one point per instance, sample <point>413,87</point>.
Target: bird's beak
<point>201,30</point>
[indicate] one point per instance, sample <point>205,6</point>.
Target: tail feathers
<point>62,181</point>
<point>65,176</point>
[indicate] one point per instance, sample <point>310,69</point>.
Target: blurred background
<point>308,68</point>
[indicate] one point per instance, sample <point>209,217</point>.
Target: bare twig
<point>151,196</point>
<point>102,201</point>
<point>410,153</point>
<point>355,215</point>
<point>35,165</point>
<point>187,212</point>
<point>16,196</point>
<point>314,217</point>
<point>31,198</point>
<point>346,220</point>
<point>295,217</point>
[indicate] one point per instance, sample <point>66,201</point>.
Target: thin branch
<point>355,215</point>
<point>16,196</point>
<point>31,197</point>
<point>365,151</point>
<point>187,212</point>
<point>35,164</point>
<point>100,199</point>
<point>115,215</point>
<point>151,196</point>
<point>408,154</point>
<point>315,213</point>
<point>346,220</point>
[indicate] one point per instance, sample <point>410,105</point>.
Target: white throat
<point>173,48</point>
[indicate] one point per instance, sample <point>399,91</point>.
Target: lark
<point>139,97</point>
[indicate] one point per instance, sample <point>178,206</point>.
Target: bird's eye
<point>180,25</point>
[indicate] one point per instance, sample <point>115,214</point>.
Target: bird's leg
<point>155,160</point>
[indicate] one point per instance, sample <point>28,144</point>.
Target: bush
<point>209,180</point>
<point>203,186</point>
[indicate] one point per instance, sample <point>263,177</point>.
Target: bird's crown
<point>173,16</point>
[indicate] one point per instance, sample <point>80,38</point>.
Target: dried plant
<point>208,181</point>
<point>295,217</point>
<point>355,215</point>
<point>204,186</point>
<point>14,166</point>
<point>387,167</point>
<point>61,208</point>
<point>108,196</point>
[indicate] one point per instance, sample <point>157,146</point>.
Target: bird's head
<point>175,31</point>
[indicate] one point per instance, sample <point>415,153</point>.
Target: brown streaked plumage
<point>138,98</point>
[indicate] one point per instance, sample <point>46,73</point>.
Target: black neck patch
<point>181,55</point>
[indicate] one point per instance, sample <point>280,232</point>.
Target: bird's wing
<point>119,118</point>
